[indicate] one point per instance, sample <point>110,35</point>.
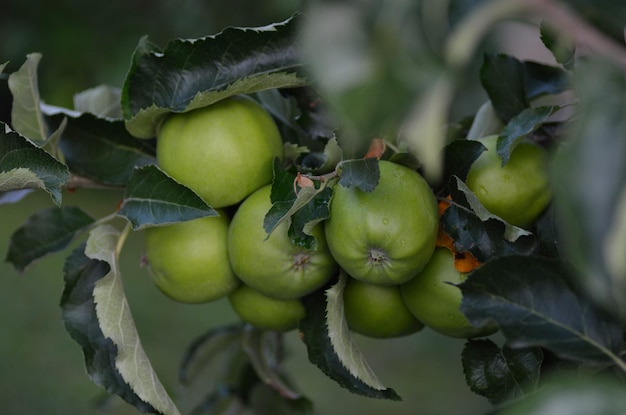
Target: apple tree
<point>524,187</point>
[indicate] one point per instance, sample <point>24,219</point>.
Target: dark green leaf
<point>476,230</point>
<point>24,165</point>
<point>500,374</point>
<point>302,210</point>
<point>47,231</point>
<point>102,149</point>
<point>503,78</point>
<point>265,351</point>
<point>590,171</point>
<point>315,334</point>
<point>194,73</point>
<point>608,16</point>
<point>519,127</point>
<point>79,315</point>
<point>361,173</point>
<point>459,156</point>
<point>543,79</point>
<point>153,198</point>
<point>534,303</point>
<point>563,50</point>
<point>206,347</point>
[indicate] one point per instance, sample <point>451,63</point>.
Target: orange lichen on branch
<point>463,261</point>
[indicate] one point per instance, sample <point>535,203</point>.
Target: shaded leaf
<point>102,149</point>
<point>302,211</point>
<point>459,156</point>
<point>331,348</point>
<point>205,348</point>
<point>573,395</point>
<point>590,170</point>
<point>23,165</point>
<point>102,101</point>
<point>485,123</point>
<point>47,231</point>
<point>264,349</point>
<point>361,173</point>
<point>534,304</point>
<point>131,365</point>
<point>519,127</point>
<point>500,374</point>
<point>190,74</point>
<point>26,116</point>
<point>503,78</point>
<point>153,198</point>
<point>563,50</point>
<point>541,79</point>
<point>82,323</point>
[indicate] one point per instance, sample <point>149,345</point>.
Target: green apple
<point>434,299</point>
<point>189,260</point>
<point>223,152</point>
<point>377,310</point>
<point>385,236</point>
<point>265,312</point>
<point>273,265</point>
<point>517,192</point>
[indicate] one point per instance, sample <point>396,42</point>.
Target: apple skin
<point>223,152</point>
<point>273,265</point>
<point>265,312</point>
<point>189,260</point>
<point>517,192</point>
<point>385,236</point>
<point>434,299</point>
<point>377,311</point>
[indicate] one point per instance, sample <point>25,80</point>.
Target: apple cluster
<point>399,278</point>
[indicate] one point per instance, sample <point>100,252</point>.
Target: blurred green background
<point>85,44</point>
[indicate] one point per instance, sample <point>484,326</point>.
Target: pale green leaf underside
<point>20,178</point>
<point>26,116</point>
<point>116,323</point>
<point>341,338</point>
<point>145,123</point>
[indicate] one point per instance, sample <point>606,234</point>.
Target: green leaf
<point>459,156</point>
<point>83,279</point>
<point>361,173</point>
<point>590,170</point>
<point>519,127</point>
<point>464,194</point>
<point>23,165</point>
<point>485,122</point>
<point>26,116</point>
<point>264,349</point>
<point>102,101</point>
<point>331,348</point>
<point>109,307</point>
<point>302,211</point>
<point>541,79</point>
<point>521,295</point>
<point>47,231</point>
<point>371,66</point>
<point>153,198</point>
<point>206,347</point>
<point>503,79</point>
<point>190,74</point>
<point>101,149</point>
<point>500,374</point>
<point>562,48</point>
<point>573,395</point>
